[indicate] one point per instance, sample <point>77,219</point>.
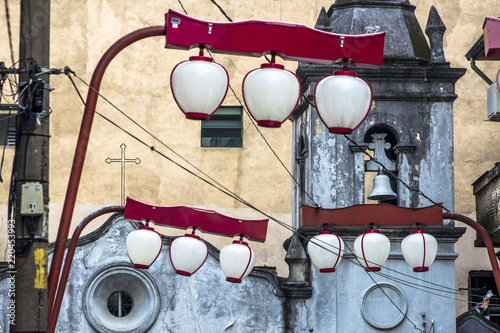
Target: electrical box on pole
<point>32,199</point>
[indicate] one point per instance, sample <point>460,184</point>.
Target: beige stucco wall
<point>137,81</point>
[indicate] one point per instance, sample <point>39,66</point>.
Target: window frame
<point>225,122</point>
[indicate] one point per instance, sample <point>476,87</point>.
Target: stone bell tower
<point>410,131</point>
<point>410,126</point>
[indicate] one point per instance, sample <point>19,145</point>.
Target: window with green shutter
<point>223,129</point>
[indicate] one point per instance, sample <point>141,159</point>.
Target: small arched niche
<point>381,140</point>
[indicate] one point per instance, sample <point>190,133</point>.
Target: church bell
<point>382,188</point>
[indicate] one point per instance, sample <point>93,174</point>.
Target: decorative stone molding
<point>378,314</point>
<point>115,278</point>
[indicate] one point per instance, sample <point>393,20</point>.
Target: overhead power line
<point>238,198</point>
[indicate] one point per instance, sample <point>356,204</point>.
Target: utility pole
<point>31,171</point>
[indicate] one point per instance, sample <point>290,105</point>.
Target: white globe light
<point>199,86</point>
<point>237,261</point>
<point>271,93</point>
<point>419,250</point>
<point>143,246</point>
<point>343,101</point>
<point>187,254</point>
<point>372,249</point>
<point>326,250</point>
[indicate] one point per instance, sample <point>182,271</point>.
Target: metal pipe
<point>54,313</point>
<point>81,149</point>
<point>487,241</point>
<point>479,72</point>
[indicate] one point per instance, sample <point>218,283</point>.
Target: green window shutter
<point>223,129</point>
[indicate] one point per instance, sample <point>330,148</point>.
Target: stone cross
<point>122,161</point>
<point>379,146</point>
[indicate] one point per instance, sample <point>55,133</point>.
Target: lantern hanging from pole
<point>143,246</point>
<point>271,93</point>
<point>343,101</point>
<point>419,250</point>
<point>326,250</point>
<point>188,253</point>
<point>237,260</point>
<point>199,86</point>
<point>372,249</point>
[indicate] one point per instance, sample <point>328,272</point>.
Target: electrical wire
<point>9,31</point>
<point>293,230</point>
<point>217,186</point>
<point>252,121</point>
<point>146,131</point>
<point>272,150</point>
<point>230,20</point>
<point>387,171</point>
<point>383,291</point>
<point>233,195</point>
<point>372,158</point>
<point>267,142</point>
<point>227,191</point>
<point>393,175</point>
<point>182,6</point>
<point>221,10</point>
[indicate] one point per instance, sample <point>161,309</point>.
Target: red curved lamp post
<point>487,241</point>
<point>52,318</point>
<point>81,150</point>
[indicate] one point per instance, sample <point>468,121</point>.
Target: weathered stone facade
<point>347,300</point>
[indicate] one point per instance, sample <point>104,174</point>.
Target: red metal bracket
<point>207,220</point>
<point>360,215</point>
<point>290,41</point>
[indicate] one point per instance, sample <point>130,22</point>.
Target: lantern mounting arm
<point>188,217</point>
<point>256,38</point>
<point>393,216</point>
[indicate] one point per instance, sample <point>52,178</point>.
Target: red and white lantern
<point>326,250</point>
<point>271,93</point>
<point>343,101</point>
<point>237,261</point>
<point>199,86</point>
<point>372,249</point>
<point>143,246</point>
<point>187,254</point>
<point>419,250</point>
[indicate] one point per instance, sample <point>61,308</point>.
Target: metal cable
<point>9,31</point>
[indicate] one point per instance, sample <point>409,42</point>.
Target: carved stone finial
<point>322,23</point>
<point>295,258</point>
<point>435,31</point>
